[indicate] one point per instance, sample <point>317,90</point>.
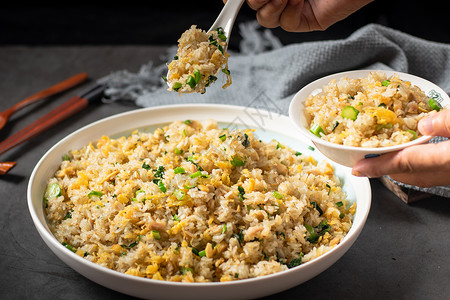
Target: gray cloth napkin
<point>266,74</point>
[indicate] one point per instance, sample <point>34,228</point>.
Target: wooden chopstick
<point>62,112</point>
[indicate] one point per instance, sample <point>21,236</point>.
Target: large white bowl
<point>349,155</point>
<point>268,126</point>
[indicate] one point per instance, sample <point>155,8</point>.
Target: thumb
<point>437,124</point>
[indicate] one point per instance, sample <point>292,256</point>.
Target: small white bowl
<point>349,155</point>
<point>272,127</point>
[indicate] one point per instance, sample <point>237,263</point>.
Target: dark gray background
<point>402,252</point>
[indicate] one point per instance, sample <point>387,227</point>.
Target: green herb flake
<point>191,81</point>
<point>295,262</point>
<point>179,170</point>
<point>161,186</point>
<point>52,191</point>
<point>223,137</point>
<point>277,195</point>
<point>156,234</point>
<point>316,206</point>
<point>241,193</point>
<point>176,86</point>
<point>236,161</point>
<point>434,104</point>
<point>95,193</point>
<point>179,194</point>
<point>70,247</point>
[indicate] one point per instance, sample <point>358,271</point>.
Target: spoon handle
<point>227,16</point>
<point>53,90</point>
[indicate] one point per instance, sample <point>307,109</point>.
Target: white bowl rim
<point>48,237</point>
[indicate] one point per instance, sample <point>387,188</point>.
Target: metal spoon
<point>225,20</point>
<point>55,89</point>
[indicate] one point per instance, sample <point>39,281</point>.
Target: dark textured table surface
<point>403,251</point>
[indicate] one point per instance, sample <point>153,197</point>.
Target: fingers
<point>257,4</point>
<point>424,179</point>
<point>269,14</point>
<point>426,158</point>
<point>291,18</point>
<point>437,124</point>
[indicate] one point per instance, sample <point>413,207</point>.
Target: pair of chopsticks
<point>60,113</point>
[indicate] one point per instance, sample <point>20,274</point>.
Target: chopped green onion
<point>185,270</point>
<point>53,190</point>
<point>146,166</point>
<point>68,215</point>
<point>156,234</point>
<point>211,79</point>
<point>349,112</point>
<point>197,76</point>
<point>70,247</point>
<point>66,157</point>
<point>179,194</point>
<point>329,188</point>
<point>176,218</point>
<point>341,215</point>
<point>178,151</point>
<point>188,122</point>
<point>295,262</point>
<point>191,81</point>
<point>339,204</point>
<point>316,130</point>
<point>161,186</point>
<point>413,133</point>
<point>179,170</point>
<point>224,228</point>
<point>279,145</point>
<point>202,253</point>
<point>132,244</point>
<point>313,237</point>
<point>159,173</point>
<point>316,206</point>
<point>434,104</point>
<point>385,82</point>
<point>223,137</point>
<point>196,174</point>
<point>311,148</point>
<point>241,193</point>
<point>221,34</point>
<point>176,86</point>
<point>175,57</point>
<point>95,193</point>
<point>226,71</point>
<point>277,195</point>
<point>184,132</point>
<point>298,153</point>
<point>236,161</point>
<point>381,126</point>
<point>335,126</point>
<point>246,142</point>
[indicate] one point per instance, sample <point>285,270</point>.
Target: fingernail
<point>426,125</point>
<point>356,173</point>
